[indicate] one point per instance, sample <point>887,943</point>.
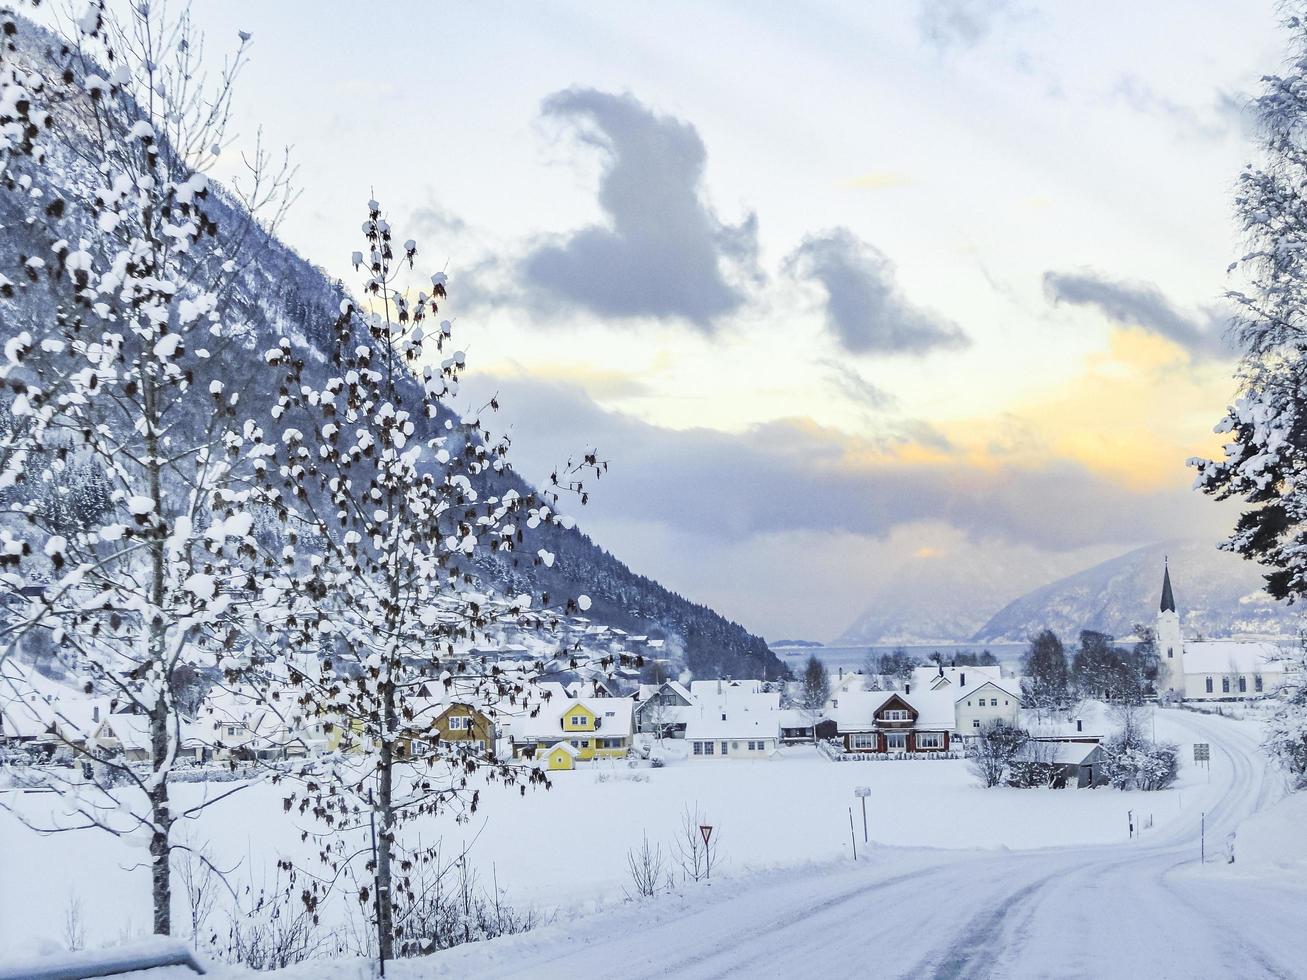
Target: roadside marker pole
<point>1202,839</point>
<point>852,836</point>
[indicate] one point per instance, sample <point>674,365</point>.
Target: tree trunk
<point>161,814</point>
<point>385,904</point>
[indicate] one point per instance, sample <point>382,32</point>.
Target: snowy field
<point>564,850</point>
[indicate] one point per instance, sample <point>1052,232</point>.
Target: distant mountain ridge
<point>1217,595</point>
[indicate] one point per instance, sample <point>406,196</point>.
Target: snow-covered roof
<point>714,688</point>
<point>932,676</point>
<point>1009,687</point>
<point>1064,753</point>
<point>856,710</point>
<point>739,724</point>
<point>32,705</point>
<point>567,747</point>
<point>795,718</point>
<point>1233,657</point>
<point>614,716</point>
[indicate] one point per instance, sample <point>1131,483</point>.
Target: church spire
<point>1168,600</point>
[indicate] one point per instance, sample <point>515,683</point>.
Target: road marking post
<point>862,792</point>
<point>852,836</point>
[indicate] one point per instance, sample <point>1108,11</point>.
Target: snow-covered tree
<point>389,502</point>
<point>814,692</point>
<point>1286,729</point>
<point>1265,457</point>
<point>1045,677</point>
<point>134,591</point>
<point>993,750</point>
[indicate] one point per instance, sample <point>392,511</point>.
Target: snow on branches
<point>1266,452</point>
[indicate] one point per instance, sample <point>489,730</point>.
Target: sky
<point>846,294</point>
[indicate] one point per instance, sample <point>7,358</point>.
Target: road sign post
<point>852,836</point>
<point>705,831</point>
<point>862,792</point>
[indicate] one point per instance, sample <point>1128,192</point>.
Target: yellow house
<point>597,728</point>
<point>561,757</point>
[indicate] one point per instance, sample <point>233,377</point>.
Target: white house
<point>984,702</point>
<point>1209,670</point>
<point>736,735</point>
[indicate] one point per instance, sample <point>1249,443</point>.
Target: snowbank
<point>1273,842</point>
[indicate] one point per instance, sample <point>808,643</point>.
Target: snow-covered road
<point>1145,908</point>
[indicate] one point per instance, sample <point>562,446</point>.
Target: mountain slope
<point>1217,594</point>
<point>280,294</point>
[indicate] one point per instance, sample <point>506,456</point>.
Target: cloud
<point>864,307</point>
<point>793,475</point>
<point>1228,113</point>
<point>960,23</point>
<point>662,252</point>
<point>856,388</point>
<point>1142,305</point>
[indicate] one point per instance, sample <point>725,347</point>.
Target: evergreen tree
<point>1045,677</point>
<point>1265,461</point>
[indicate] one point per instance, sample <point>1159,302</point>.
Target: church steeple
<point>1168,600</point>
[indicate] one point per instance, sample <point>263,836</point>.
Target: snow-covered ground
<point>979,882</point>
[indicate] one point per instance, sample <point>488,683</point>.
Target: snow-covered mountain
<point>280,294</point>
<point>941,599</point>
<point>1217,594</point>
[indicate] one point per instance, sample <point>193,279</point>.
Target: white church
<point>1209,670</point>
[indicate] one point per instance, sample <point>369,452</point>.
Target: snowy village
<point>521,492</point>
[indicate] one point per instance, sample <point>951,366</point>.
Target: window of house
<point>975,722</point>
<point>897,741</point>
<point>1257,683</point>
<point>698,748</point>
<point>1170,653</point>
<point>457,722</point>
<point>1209,685</point>
<point>707,748</point>
<point>930,740</point>
<point>968,704</point>
<point>895,714</point>
<point>578,720</point>
<point>993,702</point>
<point>724,752</point>
<point>1243,684</point>
<point>864,740</point>
<point>1225,685</point>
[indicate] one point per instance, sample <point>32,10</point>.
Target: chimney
<point>95,712</point>
<point>907,688</point>
<point>962,679</point>
<point>1080,725</point>
<point>841,673</point>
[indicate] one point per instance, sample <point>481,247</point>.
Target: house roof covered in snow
<point>614,716</point>
<point>856,711</point>
<point>1232,657</point>
<point>736,724</point>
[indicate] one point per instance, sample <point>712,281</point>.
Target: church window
<point>1209,685</point>
<point>1243,684</point>
<point>1257,683</point>
<point>1225,685</point>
